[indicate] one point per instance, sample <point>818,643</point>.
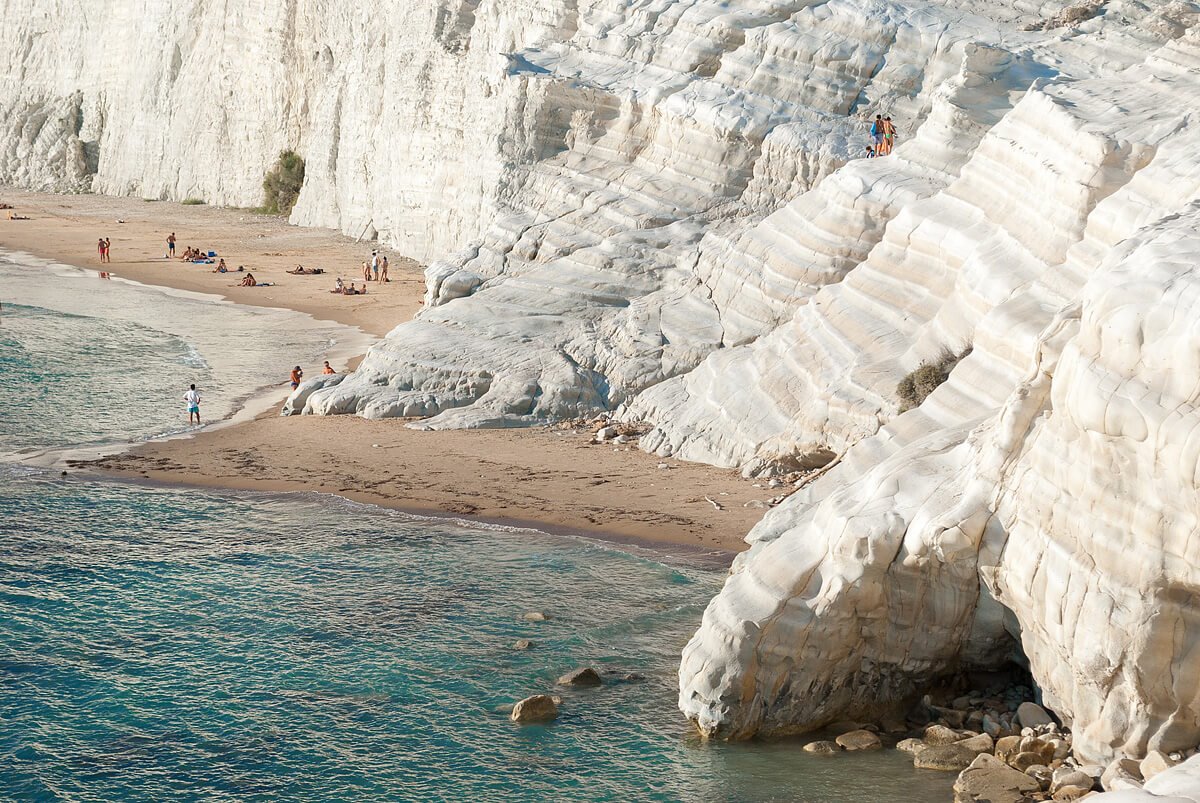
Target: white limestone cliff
<point>658,207</point>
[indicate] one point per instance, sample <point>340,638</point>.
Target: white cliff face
<point>660,207</point>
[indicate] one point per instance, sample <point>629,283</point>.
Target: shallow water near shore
<point>161,643</point>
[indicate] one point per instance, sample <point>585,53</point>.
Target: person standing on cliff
<point>192,399</point>
<point>877,134</point>
<point>889,135</point>
<point>171,245</point>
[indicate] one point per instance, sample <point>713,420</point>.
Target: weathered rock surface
<point>1180,784</point>
<point>945,757</point>
<point>822,748</point>
<point>580,678</point>
<point>538,708</point>
<point>989,780</point>
<point>859,740</point>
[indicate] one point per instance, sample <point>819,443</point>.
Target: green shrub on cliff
<point>281,186</point>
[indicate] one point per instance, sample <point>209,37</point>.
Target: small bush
<point>281,186</point>
<point>192,202</point>
<point>916,387</point>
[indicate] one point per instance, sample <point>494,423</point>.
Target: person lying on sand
<point>248,281</point>
<point>303,271</point>
<point>15,216</point>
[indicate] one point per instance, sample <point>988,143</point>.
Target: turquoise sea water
<point>167,644</point>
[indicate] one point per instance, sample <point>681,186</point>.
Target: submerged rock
<point>584,676</point>
<point>821,748</point>
<point>538,708</point>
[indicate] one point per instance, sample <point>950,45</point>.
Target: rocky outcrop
<point>658,212</point>
<point>1007,507</point>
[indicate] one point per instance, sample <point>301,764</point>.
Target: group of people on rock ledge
<point>883,136</point>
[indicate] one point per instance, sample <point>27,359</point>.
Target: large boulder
<point>538,708</point>
<point>859,740</point>
<point>944,757</point>
<point>582,677</point>
<point>990,780</point>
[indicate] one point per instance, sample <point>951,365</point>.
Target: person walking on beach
<point>192,399</point>
<point>297,377</point>
<point>383,265</point>
<point>171,245</point>
<point>102,249</point>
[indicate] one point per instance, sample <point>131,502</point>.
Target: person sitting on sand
<point>221,266</point>
<point>248,281</point>
<point>339,287</point>
<point>328,369</point>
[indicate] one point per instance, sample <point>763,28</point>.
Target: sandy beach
<point>553,478</point>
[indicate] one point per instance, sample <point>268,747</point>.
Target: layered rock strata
<point>657,209</point>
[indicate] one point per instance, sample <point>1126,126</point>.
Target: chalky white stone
<point>656,208</point>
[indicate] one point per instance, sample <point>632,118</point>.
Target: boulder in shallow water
<point>859,740</point>
<point>990,780</point>
<point>522,644</point>
<point>582,677</point>
<point>944,757</point>
<point>910,746</point>
<point>822,748</point>
<point>535,616</point>
<point>538,708</point>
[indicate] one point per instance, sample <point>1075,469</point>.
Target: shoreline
<point>686,555</point>
<point>529,478</point>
